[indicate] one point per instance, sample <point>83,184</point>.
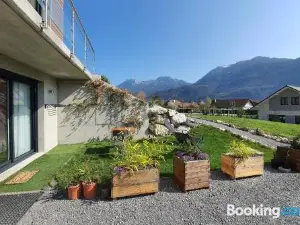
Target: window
<point>38,7</point>
<point>295,100</point>
<point>284,100</point>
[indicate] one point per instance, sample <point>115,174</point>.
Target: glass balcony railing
<point>61,16</point>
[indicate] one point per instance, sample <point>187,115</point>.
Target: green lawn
<point>55,162</point>
<point>269,127</point>
<point>47,165</point>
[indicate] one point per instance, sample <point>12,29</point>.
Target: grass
<point>47,165</point>
<point>55,162</point>
<point>269,127</point>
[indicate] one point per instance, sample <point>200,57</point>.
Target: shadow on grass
<point>101,151</point>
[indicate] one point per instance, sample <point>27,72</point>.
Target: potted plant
<point>242,161</point>
<point>191,167</point>
<point>89,180</point>
<point>74,190</point>
<point>136,168</point>
<point>288,155</point>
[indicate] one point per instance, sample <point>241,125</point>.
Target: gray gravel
<point>259,139</point>
<point>170,206</point>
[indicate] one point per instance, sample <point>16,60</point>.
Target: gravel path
<point>170,206</point>
<point>262,140</point>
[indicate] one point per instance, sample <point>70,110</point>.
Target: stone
<point>191,120</point>
<point>219,121</point>
<point>285,140</point>
<point>157,110</point>
<point>158,130</point>
<point>172,112</point>
<point>260,132</point>
<point>190,124</point>
<point>178,119</point>
<point>159,119</point>
<point>182,129</point>
<point>222,129</point>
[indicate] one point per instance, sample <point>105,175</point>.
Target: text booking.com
<point>261,210</point>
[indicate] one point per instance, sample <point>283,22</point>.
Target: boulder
<point>178,119</point>
<point>157,110</point>
<point>158,129</point>
<point>172,112</point>
<point>285,140</point>
<point>182,129</point>
<point>160,119</point>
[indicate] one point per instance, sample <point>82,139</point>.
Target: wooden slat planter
<point>139,183</point>
<point>237,168</point>
<point>293,159</point>
<point>191,175</point>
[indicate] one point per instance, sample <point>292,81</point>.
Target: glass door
<point>4,154</point>
<point>22,119</point>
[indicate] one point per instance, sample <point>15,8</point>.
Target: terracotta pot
<point>74,192</point>
<point>89,190</point>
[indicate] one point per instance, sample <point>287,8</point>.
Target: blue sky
<point>185,39</point>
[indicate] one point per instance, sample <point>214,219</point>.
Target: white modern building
<point>45,57</point>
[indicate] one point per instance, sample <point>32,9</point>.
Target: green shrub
<point>239,149</point>
<point>133,156</point>
<point>296,142</point>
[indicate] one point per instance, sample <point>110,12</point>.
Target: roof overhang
<point>22,39</point>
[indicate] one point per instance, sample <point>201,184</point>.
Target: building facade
<point>281,106</point>
<point>38,55</point>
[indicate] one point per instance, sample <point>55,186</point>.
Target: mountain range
<point>152,86</point>
<point>256,79</point>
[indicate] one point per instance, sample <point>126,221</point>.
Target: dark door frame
<point>10,77</point>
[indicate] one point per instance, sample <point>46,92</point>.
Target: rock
<point>245,129</point>
<point>222,129</point>
<point>159,119</point>
<point>178,119</point>
<point>219,121</point>
<point>279,139</point>
<point>189,124</point>
<point>157,110</point>
<point>260,132</point>
<point>191,120</point>
<point>252,131</point>
<point>158,130</point>
<point>172,112</point>
<point>182,129</point>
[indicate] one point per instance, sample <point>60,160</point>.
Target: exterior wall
<point>77,124</point>
<point>47,123</point>
<point>248,105</point>
<point>275,101</point>
<point>263,111</point>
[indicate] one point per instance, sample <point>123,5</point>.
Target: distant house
<point>185,107</point>
<point>283,106</point>
<point>230,106</point>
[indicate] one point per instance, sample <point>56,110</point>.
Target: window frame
<point>283,102</point>
<point>295,100</point>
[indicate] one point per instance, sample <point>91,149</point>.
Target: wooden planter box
<point>237,168</point>
<point>191,175</point>
<point>139,183</point>
<point>293,159</point>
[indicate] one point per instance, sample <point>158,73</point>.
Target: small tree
<point>105,79</point>
<point>207,105</point>
<point>141,95</point>
<point>156,100</point>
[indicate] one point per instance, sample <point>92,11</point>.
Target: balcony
<point>47,35</point>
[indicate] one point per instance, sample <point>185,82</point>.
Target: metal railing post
<point>73,32</point>
<point>85,53</point>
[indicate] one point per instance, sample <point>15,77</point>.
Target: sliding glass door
<point>22,118</point>
<point>18,124</point>
<point>4,154</point>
